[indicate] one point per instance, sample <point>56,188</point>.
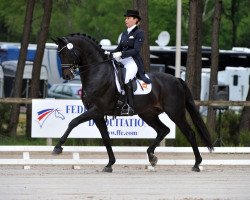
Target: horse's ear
<point>54,40</point>
<point>58,40</point>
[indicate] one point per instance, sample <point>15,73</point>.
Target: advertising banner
<point>50,119</point>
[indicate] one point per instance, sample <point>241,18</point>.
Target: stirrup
<point>127,110</point>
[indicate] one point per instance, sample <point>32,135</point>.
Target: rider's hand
<point>107,53</point>
<point>117,56</point>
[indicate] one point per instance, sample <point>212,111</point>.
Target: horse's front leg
<point>74,122</point>
<point>101,125</point>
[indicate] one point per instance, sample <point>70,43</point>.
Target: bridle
<point>70,47</point>
<point>72,67</point>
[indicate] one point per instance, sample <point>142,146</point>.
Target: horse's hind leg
<point>161,129</point>
<point>101,125</point>
<point>190,135</point>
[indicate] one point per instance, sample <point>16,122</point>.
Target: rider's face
<point>130,21</point>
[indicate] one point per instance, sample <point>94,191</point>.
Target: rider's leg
<point>128,108</point>
<point>131,70</point>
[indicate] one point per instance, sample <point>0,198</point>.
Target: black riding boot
<point>128,107</point>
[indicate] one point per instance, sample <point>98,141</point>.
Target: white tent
<point>9,69</point>
<point>1,81</point>
<point>11,66</point>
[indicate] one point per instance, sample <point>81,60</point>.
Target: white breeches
<point>131,68</point>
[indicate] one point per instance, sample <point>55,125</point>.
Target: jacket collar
<point>131,28</point>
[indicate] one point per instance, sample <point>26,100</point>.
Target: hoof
<point>57,150</point>
<point>107,169</point>
<point>153,160</point>
<point>196,168</point>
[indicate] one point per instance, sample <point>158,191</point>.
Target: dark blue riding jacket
<point>130,45</point>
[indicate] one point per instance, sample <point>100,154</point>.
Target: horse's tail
<point>196,117</point>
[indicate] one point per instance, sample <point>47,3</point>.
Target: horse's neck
<point>90,66</point>
<point>96,71</point>
<point>96,77</point>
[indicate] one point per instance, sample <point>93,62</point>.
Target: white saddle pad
<point>142,88</point>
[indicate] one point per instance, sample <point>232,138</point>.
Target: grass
<point>21,140</point>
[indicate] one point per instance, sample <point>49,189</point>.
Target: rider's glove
<point>107,52</point>
<point>117,56</point>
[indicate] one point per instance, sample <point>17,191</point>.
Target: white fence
<point>26,161</point>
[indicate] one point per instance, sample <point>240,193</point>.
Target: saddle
<point>136,85</point>
<point>121,73</point>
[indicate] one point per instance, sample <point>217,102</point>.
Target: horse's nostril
<point>66,77</point>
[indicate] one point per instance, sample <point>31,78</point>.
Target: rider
<point>128,53</point>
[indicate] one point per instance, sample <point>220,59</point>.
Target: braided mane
<point>93,41</point>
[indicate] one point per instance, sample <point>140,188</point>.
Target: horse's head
<point>78,51</point>
<point>69,56</point>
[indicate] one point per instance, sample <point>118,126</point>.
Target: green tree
<point>36,71</point>
<point>193,75</point>
<point>100,19</point>
<point>104,19</point>
<point>15,109</point>
<point>142,7</point>
<point>214,61</point>
<point>11,18</point>
<point>236,15</point>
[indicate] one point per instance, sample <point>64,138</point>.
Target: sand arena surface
<point>126,183</point>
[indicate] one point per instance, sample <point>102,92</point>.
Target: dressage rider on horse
<point>128,53</point>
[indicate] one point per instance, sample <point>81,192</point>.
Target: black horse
<point>169,94</point>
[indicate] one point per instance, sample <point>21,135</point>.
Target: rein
<point>95,64</point>
<point>72,67</point>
